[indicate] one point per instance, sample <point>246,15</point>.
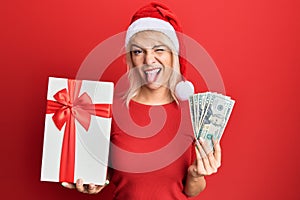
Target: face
<point>216,120</point>
<point>151,58</point>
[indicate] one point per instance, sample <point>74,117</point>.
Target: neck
<point>158,96</point>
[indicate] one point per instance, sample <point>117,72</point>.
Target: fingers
<point>213,165</point>
<point>98,188</point>
<point>89,189</point>
<point>208,161</point>
<point>94,189</point>
<point>68,185</point>
<point>207,148</point>
<point>205,159</point>
<point>84,188</point>
<point>217,153</point>
<point>200,170</point>
<point>80,187</point>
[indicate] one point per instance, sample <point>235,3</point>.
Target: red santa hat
<point>158,17</point>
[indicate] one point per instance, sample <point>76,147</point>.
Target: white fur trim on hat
<point>153,24</point>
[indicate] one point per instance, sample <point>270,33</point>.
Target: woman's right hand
<point>84,188</point>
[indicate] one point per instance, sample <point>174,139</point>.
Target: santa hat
<point>158,17</point>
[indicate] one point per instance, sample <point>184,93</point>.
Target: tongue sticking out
<point>151,75</point>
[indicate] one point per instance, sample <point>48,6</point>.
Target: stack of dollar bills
<point>209,114</point>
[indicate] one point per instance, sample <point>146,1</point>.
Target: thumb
<point>68,185</point>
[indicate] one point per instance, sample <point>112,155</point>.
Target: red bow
<point>68,107</point>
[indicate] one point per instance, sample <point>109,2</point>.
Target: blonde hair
<point>134,80</point>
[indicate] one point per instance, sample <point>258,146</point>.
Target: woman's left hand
<point>84,188</point>
<point>206,162</point>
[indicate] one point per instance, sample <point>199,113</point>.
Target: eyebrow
<point>154,47</point>
<point>134,45</point>
<point>157,46</point>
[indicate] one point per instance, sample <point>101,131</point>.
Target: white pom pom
<point>183,90</point>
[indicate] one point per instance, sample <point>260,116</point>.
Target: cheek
<point>140,72</point>
<point>166,75</point>
<point>134,62</point>
<point>166,60</point>
<point>136,69</point>
<point>137,61</point>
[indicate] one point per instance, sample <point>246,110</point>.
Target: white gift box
<point>90,131</point>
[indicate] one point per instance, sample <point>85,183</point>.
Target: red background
<point>254,43</point>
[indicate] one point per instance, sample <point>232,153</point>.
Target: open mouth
<point>152,74</point>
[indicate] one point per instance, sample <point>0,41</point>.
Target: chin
<point>153,86</point>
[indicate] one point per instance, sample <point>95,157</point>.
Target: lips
<point>152,74</point>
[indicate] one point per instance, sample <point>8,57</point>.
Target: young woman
<point>167,164</point>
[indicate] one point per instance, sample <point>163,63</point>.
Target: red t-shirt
<point>150,155</point>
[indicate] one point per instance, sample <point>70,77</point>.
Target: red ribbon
<point>68,107</point>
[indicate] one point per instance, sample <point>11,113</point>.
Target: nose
<point>149,58</point>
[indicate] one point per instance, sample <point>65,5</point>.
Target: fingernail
<point>64,184</point>
<point>201,139</point>
<point>79,182</point>
<point>91,186</point>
